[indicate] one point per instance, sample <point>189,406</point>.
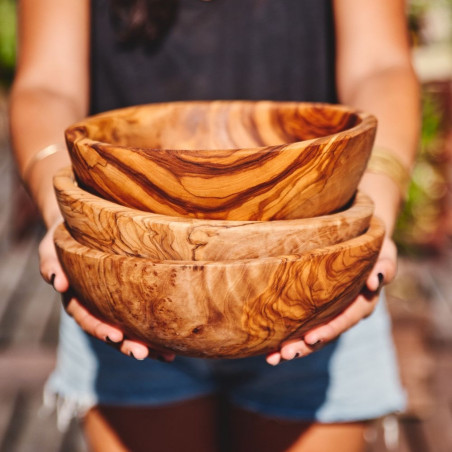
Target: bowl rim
<point>375,232</point>
<point>77,133</point>
<point>65,180</point>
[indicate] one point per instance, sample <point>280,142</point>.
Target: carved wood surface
<point>235,160</point>
<point>107,226</point>
<point>219,309</point>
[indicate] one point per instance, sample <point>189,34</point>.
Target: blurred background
<point>420,299</point>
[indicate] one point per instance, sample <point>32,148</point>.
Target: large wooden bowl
<point>219,309</point>
<point>107,226</point>
<point>235,160</point>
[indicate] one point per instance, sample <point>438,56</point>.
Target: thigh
<point>253,432</point>
<point>186,426</point>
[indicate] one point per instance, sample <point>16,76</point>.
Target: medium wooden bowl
<point>219,309</point>
<point>109,227</point>
<point>235,160</point>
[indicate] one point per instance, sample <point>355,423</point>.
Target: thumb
<point>50,267</point>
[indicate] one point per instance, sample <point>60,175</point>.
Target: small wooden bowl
<point>219,309</point>
<point>109,227</point>
<point>234,160</point>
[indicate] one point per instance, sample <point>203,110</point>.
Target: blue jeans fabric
<point>352,378</point>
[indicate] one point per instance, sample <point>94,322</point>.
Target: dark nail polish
<point>162,359</point>
<point>380,277</point>
<point>297,355</point>
<point>52,279</point>
<point>108,340</point>
<point>131,354</point>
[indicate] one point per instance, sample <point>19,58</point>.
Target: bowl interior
<point>219,124</point>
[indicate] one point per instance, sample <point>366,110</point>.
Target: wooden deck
<point>420,303</point>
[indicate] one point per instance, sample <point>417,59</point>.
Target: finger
<point>298,348</point>
<point>111,335</point>
<point>134,349</point>
<point>273,358</point>
<point>385,268</point>
<point>376,279</point>
<point>49,265</point>
<point>140,351</point>
<point>91,324</point>
<point>362,307</point>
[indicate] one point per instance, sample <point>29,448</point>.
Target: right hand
<point>53,274</point>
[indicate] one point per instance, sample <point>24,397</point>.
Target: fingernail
<point>110,341</point>
<point>133,356</point>
<point>52,279</point>
<point>313,341</point>
<point>297,355</point>
<point>380,277</point>
<point>274,360</point>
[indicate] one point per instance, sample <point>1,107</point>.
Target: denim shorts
<point>352,378</point>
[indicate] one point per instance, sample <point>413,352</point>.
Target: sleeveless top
<point>219,49</point>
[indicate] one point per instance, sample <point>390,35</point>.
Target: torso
<point>222,49</point>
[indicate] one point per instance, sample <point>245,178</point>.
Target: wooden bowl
<point>219,309</point>
<point>109,227</point>
<point>235,160</point>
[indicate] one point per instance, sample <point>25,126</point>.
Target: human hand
<point>382,273</point>
<point>53,274</point>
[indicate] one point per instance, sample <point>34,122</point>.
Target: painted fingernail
<point>52,279</point>
<point>297,355</point>
<point>135,357</point>
<point>380,277</point>
<point>110,341</point>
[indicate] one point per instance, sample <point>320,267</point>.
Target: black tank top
<point>219,49</point>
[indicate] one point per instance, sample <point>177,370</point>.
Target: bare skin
<point>193,426</point>
<point>51,91</point>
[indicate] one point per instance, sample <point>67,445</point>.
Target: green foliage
<point>418,221</point>
<point>7,39</point>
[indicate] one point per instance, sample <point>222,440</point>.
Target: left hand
<point>382,273</point>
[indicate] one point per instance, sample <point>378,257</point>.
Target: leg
<point>250,432</point>
<point>186,426</point>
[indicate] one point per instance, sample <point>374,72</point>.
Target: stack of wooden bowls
<point>218,229</point>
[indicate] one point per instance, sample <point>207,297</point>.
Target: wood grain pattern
<point>219,309</point>
<point>107,226</point>
<point>234,160</point>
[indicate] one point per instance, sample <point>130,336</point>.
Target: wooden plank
<point>38,300</point>
<point>7,406</point>
<point>12,266</point>
<point>25,367</point>
<point>438,274</point>
<point>50,334</point>
<point>14,425</point>
<point>37,432</point>
<point>437,427</point>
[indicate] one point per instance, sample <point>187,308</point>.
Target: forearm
<point>392,95</point>
<point>38,118</point>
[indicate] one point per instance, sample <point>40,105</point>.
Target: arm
<point>374,74</point>
<point>50,91</point>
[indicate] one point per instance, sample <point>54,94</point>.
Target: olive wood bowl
<point>234,160</point>
<point>109,227</point>
<point>219,309</point>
